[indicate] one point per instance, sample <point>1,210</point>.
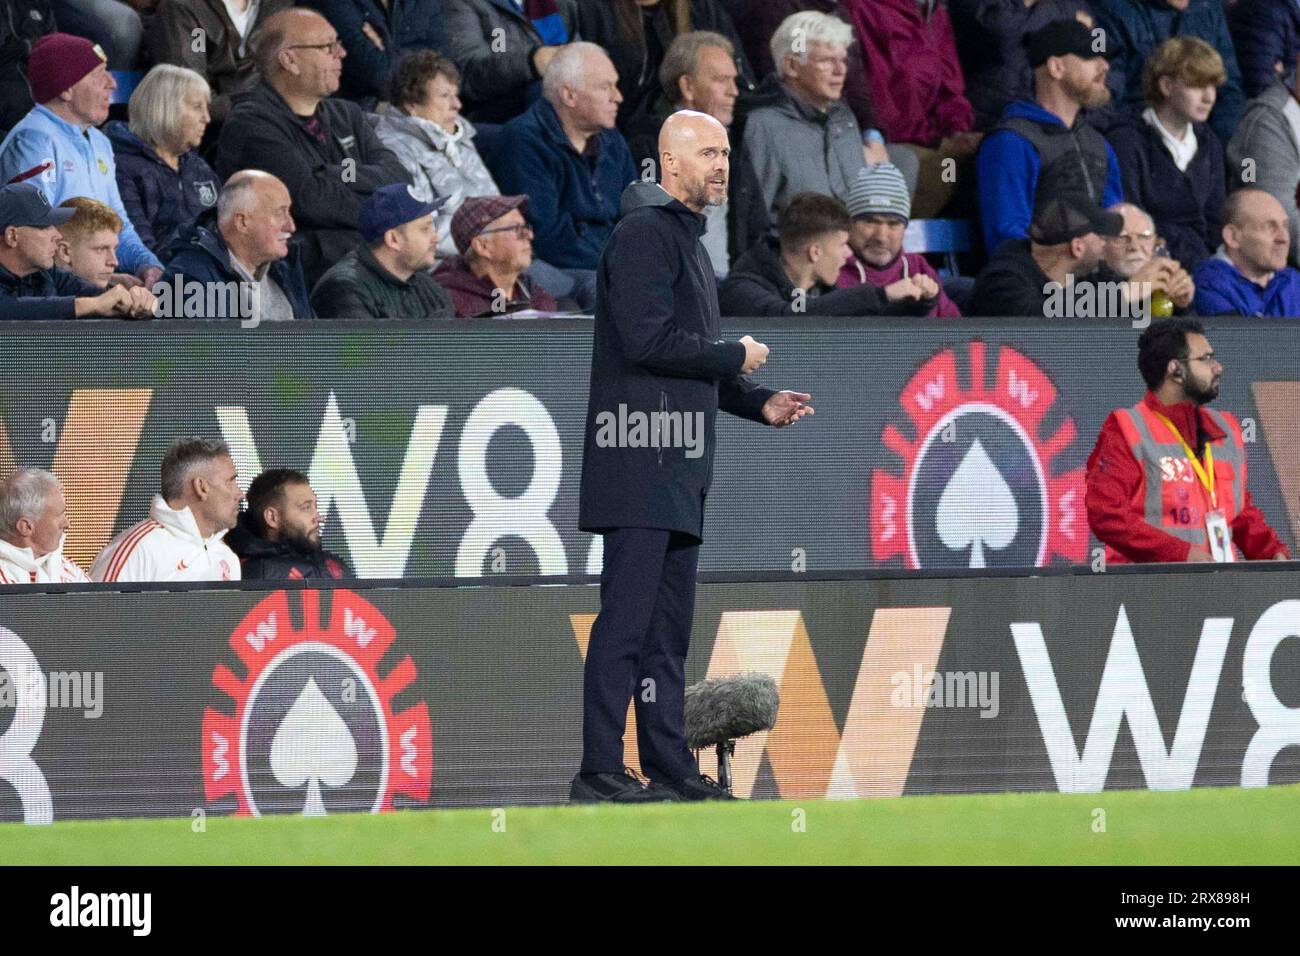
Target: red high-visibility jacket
<point>1144,500</point>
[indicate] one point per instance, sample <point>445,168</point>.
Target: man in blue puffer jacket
<point>1266,34</point>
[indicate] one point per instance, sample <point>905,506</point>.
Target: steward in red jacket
<point>1167,468</point>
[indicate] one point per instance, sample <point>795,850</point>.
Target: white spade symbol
<point>313,745</point>
<point>977,509</point>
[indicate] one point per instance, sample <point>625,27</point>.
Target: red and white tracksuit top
<point>21,566</point>
<point>166,546</point>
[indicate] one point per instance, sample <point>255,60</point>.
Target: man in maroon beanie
<point>72,88</point>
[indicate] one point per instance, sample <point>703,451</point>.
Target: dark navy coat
<point>161,201</point>
<point>1187,206</point>
<point>657,348</point>
<point>405,25</point>
<point>1265,33</point>
<point>203,257</point>
<point>573,201</point>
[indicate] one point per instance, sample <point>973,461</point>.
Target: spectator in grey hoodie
<point>801,136</point>
<point>1265,151</point>
<point>425,131</point>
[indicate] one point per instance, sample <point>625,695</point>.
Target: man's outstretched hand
<point>786,408</point>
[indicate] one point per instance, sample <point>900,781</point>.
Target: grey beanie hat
<point>880,189</point>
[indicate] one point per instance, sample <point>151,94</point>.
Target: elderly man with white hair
<point>247,254</point>
<point>800,135</point>
<point>33,522</point>
<point>164,182</point>
<point>565,155</point>
<point>1136,254</point>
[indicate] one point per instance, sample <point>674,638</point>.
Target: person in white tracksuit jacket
<point>33,523</point>
<point>181,539</point>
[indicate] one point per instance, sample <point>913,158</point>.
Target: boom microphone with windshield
<point>720,711</point>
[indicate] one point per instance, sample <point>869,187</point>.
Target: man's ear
<point>684,86</point>
<point>10,236</point>
<point>199,486</point>
<point>63,250</point>
<point>24,527</point>
<point>271,517</point>
<point>1174,370</point>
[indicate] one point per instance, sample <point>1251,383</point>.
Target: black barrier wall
<point>444,449</point>
<point>224,701</point>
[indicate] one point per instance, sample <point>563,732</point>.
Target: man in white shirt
<point>33,522</point>
<point>181,539</point>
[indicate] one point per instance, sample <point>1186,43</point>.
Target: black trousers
<point>638,652</point>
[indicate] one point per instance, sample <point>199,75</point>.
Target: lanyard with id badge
<point>1217,532</point>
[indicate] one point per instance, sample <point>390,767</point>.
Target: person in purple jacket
<point>165,184</point>
<point>880,207</point>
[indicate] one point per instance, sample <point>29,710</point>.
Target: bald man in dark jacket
<point>657,359</point>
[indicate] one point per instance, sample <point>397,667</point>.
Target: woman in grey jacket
<point>430,138</point>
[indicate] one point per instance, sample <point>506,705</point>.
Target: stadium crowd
<point>437,158</point>
<point>430,159</point>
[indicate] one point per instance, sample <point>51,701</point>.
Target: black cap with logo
<point>1058,220</point>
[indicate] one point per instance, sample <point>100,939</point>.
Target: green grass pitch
<point>1204,826</point>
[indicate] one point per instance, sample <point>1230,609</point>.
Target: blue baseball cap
<point>391,206</point>
<point>22,204</point>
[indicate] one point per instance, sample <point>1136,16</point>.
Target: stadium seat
<point>943,236</point>
<point>127,81</point>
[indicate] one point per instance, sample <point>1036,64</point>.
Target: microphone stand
<point>725,751</point>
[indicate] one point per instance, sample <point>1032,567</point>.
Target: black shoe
<point>622,787</point>
<point>700,788</point>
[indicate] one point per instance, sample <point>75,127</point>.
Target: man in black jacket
<point>22,23</point>
<point>1059,271</point>
<point>278,537</point>
<point>389,277</point>
<point>321,148</point>
<point>795,273</point>
<point>657,359</point>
